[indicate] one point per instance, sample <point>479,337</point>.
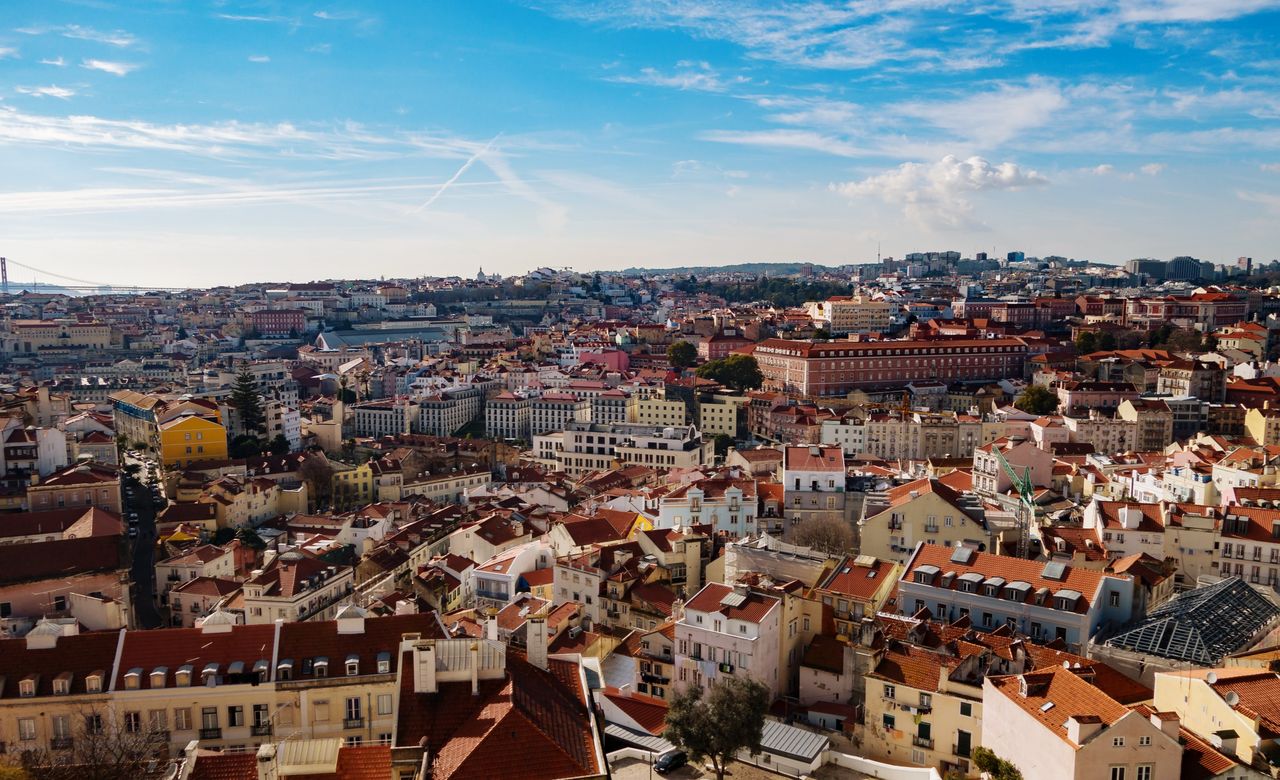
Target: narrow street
<point>137,498</point>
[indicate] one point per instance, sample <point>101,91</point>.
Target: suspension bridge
<point>70,282</point>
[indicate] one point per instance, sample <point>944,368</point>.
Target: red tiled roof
<point>1082,581</point>
<point>752,610</point>
<point>861,582</point>
<point>649,712</point>
<point>803,459</point>
<point>80,655</point>
<point>1070,694</point>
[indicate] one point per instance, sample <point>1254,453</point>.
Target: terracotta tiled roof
<point>1070,694</point>
<point>860,582</point>
<point>530,725</point>
<point>912,666</point>
<point>380,635</point>
<point>803,459</point>
<point>194,647</point>
<point>649,712</point>
<point>80,655</point>
<point>212,765</point>
<point>753,609</point>
<point>1075,578</point>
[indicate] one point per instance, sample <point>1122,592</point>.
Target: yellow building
<point>720,415</point>
<point>1263,426</point>
<point>659,411</point>
<point>352,485</point>
<point>185,440</point>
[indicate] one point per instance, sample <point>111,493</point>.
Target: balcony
<point>922,742</point>
<point>931,529</point>
<point>61,743</point>
<point>353,723</point>
<point>260,730</point>
<point>214,733</point>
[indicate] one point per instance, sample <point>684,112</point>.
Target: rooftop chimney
<point>267,762</point>
<point>1080,728</point>
<point>424,678</point>
<point>536,639</point>
<point>1167,722</point>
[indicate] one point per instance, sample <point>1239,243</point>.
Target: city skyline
<point>223,142</point>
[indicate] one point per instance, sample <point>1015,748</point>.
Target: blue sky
<point>229,140</point>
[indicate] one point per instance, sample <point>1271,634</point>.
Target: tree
<point>1086,342</point>
<point>182,333</point>
<point>825,534</point>
<point>1106,341</point>
<point>1037,399</point>
<point>245,446</point>
<point>279,445</point>
<point>995,766</point>
<point>249,538</point>
<point>318,474</point>
<point>101,748</point>
<point>717,723</point>
<point>741,372</point>
<point>822,334</point>
<point>248,404</point>
<point>722,442</point>
<point>224,535</point>
<point>1183,340</point>
<point>682,354</point>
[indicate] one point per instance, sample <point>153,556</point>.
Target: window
<point>182,718</point>
<point>157,720</point>
<point>321,710</point>
<point>889,691</point>
<point>966,709</point>
<point>888,723</point>
<point>209,718</point>
<point>1114,598</point>
<point>1145,772</point>
<point>26,729</point>
<point>1117,773</point>
<point>1144,741</point>
<point>384,704</point>
<point>353,667</point>
<point>1117,742</point>
<point>132,722</point>
<point>353,708</point>
<point>260,715</point>
<point>93,724</point>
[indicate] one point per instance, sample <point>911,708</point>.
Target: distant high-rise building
<point>981,257</point>
<point>1016,257</point>
<point>1183,269</point>
<point>1146,266</point>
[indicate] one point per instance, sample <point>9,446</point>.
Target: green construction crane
<point>1026,501</point>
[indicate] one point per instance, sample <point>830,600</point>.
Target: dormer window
<point>133,679</point>
<point>182,678</point>
<point>262,669</point>
<point>353,665</point>
<point>93,683</point>
<point>209,676</point>
<point>27,686</point>
<point>159,676</point>
<point>62,684</point>
<point>321,667</point>
<point>284,669</point>
<point>384,663</point>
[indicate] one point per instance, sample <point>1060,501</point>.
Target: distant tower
<point>4,275</point>
<point>480,277</point>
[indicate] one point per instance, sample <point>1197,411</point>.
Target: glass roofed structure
<point>1201,626</point>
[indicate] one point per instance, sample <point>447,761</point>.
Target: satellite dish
<point>1211,678</point>
<point>1233,698</point>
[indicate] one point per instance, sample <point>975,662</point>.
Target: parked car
<point>670,762</point>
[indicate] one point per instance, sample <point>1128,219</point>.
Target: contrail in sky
<point>436,195</point>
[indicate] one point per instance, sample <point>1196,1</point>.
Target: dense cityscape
<point>921,517</point>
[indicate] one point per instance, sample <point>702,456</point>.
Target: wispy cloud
<point>52,90</point>
<point>251,18</point>
<point>688,75</point>
<point>320,48</point>
<point>106,66</point>
<point>259,58</point>
<point>938,194</point>
<point>8,53</point>
<point>1270,167</point>
<point>363,23</point>
<point>118,38</point>
<point>789,139</point>
<point>1153,169</point>
<point>993,117</point>
<point>57,62</point>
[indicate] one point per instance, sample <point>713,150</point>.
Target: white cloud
<point>114,68</point>
<point>1153,169</point>
<point>989,119</point>
<point>8,52</point>
<point>1102,170</point>
<point>52,90</point>
<point>694,76</point>
<point>788,139</point>
<point>320,48</point>
<point>118,38</point>
<point>57,62</point>
<point>1270,167</point>
<point>937,194</point>
<point>259,58</point>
